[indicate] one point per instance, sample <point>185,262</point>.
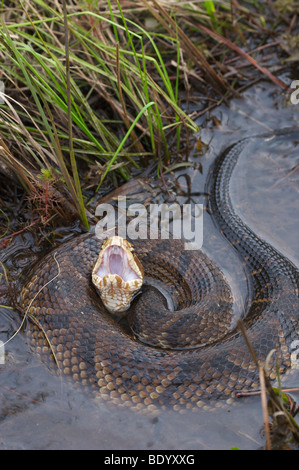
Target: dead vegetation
<point>104,89</point>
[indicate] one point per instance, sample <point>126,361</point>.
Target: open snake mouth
<point>117,274</point>
<point>115,261</point>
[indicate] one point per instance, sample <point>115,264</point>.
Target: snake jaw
<point>117,274</point>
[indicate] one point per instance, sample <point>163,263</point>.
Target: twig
<point>34,319</point>
<point>265,408</point>
<point>244,54</point>
<point>275,400</point>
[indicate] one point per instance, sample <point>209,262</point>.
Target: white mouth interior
<point>115,261</point>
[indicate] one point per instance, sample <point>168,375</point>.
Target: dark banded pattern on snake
<point>97,354</point>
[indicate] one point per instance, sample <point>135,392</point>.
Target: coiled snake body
<point>142,372</point>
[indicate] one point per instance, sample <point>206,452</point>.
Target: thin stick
<point>265,407</point>
<point>31,302</point>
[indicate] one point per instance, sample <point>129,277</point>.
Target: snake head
<point>117,274</point>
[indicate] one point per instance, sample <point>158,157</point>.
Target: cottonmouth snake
<point>99,354</point>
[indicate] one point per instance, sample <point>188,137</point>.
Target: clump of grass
<point>78,87</point>
<point>95,87</point>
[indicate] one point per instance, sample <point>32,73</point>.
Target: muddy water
<point>39,411</point>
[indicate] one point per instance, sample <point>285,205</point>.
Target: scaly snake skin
<point>103,356</point>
